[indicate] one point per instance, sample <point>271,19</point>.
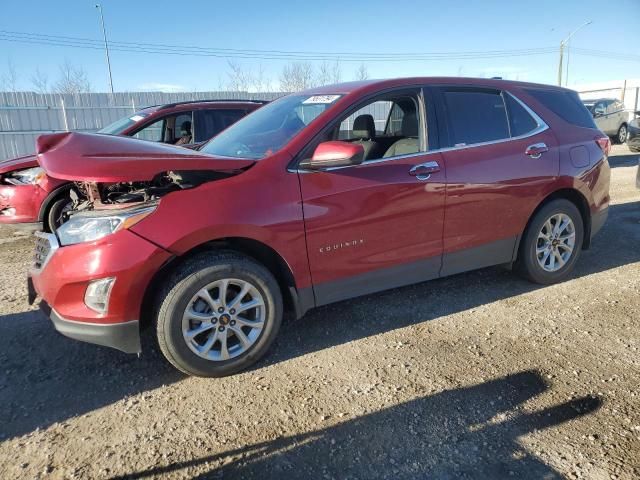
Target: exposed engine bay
<point>90,195</point>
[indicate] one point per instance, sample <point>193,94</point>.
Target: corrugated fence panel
<point>26,115</point>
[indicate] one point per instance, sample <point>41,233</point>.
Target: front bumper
<point>61,275</point>
<point>121,336</point>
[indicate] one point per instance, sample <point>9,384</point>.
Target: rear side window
<point>566,105</point>
<point>212,122</point>
<point>520,121</point>
<point>476,116</point>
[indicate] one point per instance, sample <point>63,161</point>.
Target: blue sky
<point>328,26</point>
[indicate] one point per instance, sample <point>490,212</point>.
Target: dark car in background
<point>633,137</point>
<point>32,200</point>
<point>610,117</point>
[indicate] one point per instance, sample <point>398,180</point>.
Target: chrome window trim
<point>542,126</point>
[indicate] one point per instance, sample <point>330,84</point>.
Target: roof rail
<point>218,100</point>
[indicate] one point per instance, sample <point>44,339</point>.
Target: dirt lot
<point>480,375</point>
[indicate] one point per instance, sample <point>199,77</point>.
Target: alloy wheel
<point>622,134</point>
<point>224,319</point>
<point>555,243</point>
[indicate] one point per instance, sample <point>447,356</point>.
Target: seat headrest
<point>410,125</point>
<point>364,127</point>
<point>186,126</point>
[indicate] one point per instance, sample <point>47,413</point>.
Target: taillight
<point>605,144</point>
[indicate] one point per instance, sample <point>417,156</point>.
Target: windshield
<point>269,128</point>
<point>119,126</point>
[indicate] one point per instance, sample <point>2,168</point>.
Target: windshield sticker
<point>136,118</point>
<point>321,99</point>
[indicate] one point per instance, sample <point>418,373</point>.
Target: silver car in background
<point>610,117</point>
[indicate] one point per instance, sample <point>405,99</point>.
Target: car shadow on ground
<point>627,160</point>
<point>469,432</point>
<point>48,378</point>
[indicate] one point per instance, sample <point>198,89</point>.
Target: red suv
<point>318,197</point>
<point>31,200</point>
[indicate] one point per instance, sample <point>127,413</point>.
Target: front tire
<point>218,314</point>
<point>552,243</point>
<point>57,212</point>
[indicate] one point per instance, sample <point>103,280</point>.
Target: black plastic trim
<point>121,336</point>
<point>598,220</point>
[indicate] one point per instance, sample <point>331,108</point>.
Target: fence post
<point>64,115</point>
<point>133,104</point>
<point>624,89</point>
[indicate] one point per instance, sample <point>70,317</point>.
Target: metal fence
<point>26,115</point>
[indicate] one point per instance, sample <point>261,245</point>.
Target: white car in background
<point>610,117</point>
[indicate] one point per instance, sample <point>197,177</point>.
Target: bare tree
<point>9,79</point>
<point>260,80</point>
<point>40,82</point>
<point>72,79</point>
<point>239,78</point>
<point>296,76</point>
<point>329,73</point>
<point>362,73</point>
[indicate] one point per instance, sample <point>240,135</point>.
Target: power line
<point>291,55</point>
<point>77,42</point>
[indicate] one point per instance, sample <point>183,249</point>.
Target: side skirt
<point>490,254</point>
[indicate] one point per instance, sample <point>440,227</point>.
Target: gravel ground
<point>480,375</point>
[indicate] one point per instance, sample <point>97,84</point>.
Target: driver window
<point>172,129</point>
<point>387,127</point>
<point>152,133</point>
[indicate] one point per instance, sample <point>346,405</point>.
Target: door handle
<point>536,150</point>
<point>423,171</point>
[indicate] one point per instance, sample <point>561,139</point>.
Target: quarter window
<point>520,121</point>
<point>476,116</point>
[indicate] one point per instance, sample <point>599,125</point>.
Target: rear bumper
<point>598,220</point>
<point>121,336</point>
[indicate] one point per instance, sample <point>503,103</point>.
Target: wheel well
<point>260,252</point>
<point>575,197</point>
<point>51,198</point>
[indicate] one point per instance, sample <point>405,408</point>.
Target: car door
<point>376,225</point>
<point>501,155</point>
<point>600,116</point>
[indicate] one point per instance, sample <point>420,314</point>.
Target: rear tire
<point>622,134</point>
<point>199,331</point>
<point>549,250</point>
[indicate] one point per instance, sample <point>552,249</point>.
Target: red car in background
<point>32,200</point>
<point>318,197</point>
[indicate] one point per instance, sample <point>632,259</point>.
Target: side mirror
<point>598,113</point>
<point>334,154</point>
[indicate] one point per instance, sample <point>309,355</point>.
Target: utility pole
<point>563,44</point>
<point>106,46</point>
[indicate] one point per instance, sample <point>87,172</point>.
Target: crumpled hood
<point>19,163</point>
<point>110,159</point>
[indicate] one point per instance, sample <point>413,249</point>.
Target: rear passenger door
<point>499,157</point>
<point>208,123</point>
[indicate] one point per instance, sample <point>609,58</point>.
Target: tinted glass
<point>520,121</point>
<point>476,116</point>
<point>269,128</point>
<point>214,121</point>
<point>566,105</point>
